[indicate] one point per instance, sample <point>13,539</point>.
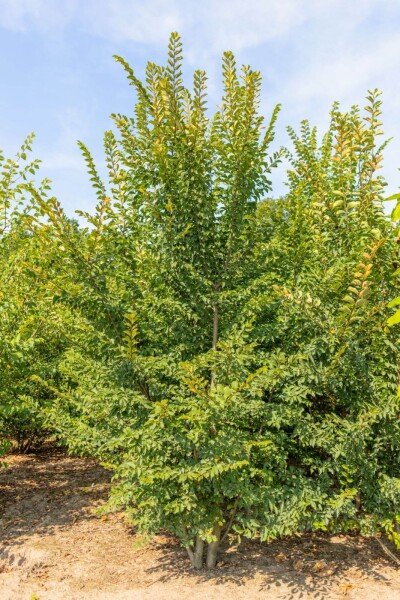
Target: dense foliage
<point>29,341</point>
<point>394,319</point>
<point>227,355</point>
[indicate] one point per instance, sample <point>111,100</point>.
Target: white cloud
<point>215,24</point>
<point>209,26</point>
<point>342,74</point>
<point>22,15</point>
<point>142,22</point>
<point>330,49</point>
<point>237,25</point>
<point>212,26</point>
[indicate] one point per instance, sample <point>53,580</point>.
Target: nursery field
<point>55,546</point>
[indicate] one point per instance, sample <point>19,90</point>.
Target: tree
<point>166,261</point>
<point>29,343</point>
<point>335,250</point>
<point>228,356</point>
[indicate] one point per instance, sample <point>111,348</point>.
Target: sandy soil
<point>54,546</point>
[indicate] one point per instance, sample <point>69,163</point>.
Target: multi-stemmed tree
<point>228,355</point>
<point>166,264</point>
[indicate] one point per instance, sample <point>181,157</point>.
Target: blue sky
<point>60,81</point>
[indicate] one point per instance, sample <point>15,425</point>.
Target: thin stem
<point>231,519</point>
<point>215,330</point>
<point>212,551</point>
<point>215,327</point>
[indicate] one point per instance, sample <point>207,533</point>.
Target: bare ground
<point>54,546</point>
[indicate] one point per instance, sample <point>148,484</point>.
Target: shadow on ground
<point>48,492</point>
<point>45,490</point>
<point>306,567</point>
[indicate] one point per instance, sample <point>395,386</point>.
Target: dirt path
<point>55,547</point>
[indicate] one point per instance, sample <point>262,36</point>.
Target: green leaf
<point>393,197</point>
<point>396,213</point>
<point>394,302</point>
<point>394,319</point>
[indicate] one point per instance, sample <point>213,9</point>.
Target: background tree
<point>334,252</point>
<point>29,342</point>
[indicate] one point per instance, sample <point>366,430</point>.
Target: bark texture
<point>212,551</point>
<point>196,554</point>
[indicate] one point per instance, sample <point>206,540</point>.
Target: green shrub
<point>29,340</point>
<point>228,356</point>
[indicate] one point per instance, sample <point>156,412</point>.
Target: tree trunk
<point>196,555</point>
<point>212,551</point>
